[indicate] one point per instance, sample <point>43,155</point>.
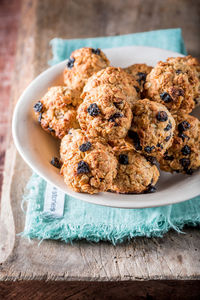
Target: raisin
<point>189,171</point>
<point>118,104</point>
<point>137,88</point>
<point>196,101</point>
<point>93,110</point>
<point>183,126</point>
<point>159,145</point>
<point>178,71</point>
<point>162,116</point>
<point>114,117</point>
<point>40,118</point>
<point>38,106</point>
<point>168,157</point>
<point>83,167</point>
<point>176,92</point>
<point>55,162</point>
<point>51,129</point>
<point>183,136</point>
<point>185,162</point>
<point>141,77</point>
<point>186,150</point>
<point>96,51</point>
<point>70,62</point>
<point>151,159</point>
<point>85,147</point>
<point>123,159</point>
<point>168,138</point>
<point>150,189</point>
<point>166,97</point>
<point>136,140</point>
<point>148,149</point>
<point>168,127</point>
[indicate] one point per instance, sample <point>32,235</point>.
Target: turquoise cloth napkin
<point>169,39</point>
<point>92,222</point>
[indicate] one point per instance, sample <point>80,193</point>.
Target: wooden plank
<point>176,256</point>
<point>149,290</point>
<point>9,19</point>
<point>22,77</point>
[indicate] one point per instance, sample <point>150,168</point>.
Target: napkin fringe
<point>41,226</point>
<point>42,229</point>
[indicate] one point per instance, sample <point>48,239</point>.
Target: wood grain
<point>22,77</point>
<point>174,257</point>
<point>149,290</point>
<point>9,20</point>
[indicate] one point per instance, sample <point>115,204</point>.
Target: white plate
<point>37,147</point>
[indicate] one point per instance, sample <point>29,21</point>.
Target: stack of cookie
<point>116,125</point>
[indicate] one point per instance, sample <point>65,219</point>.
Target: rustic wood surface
<point>145,290</point>
<point>176,256</point>
<point>9,20</point>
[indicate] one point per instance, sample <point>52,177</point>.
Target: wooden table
<point>167,268</point>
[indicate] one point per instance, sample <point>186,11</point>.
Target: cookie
<point>116,79</point>
<point>82,64</point>
<point>74,138</point>
<point>184,154</point>
<point>56,111</point>
<point>152,128</point>
<point>192,62</point>
<point>195,64</point>
<point>104,116</point>
<point>88,166</point>
<point>173,83</point>
<point>139,72</point>
<point>135,174</point>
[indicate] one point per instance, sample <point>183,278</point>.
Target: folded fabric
<point>82,220</point>
<point>169,39</point>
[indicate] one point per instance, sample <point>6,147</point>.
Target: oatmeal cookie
<point>105,116</point>
<point>191,61</point>
<point>152,127</point>
<point>56,111</point>
<point>184,154</point>
<point>195,64</point>
<point>173,83</point>
<point>135,174</point>
<point>82,64</point>
<point>139,72</point>
<point>74,139</point>
<point>88,166</point>
<point>116,79</point>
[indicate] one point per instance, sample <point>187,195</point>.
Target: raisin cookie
<point>173,83</point>
<point>139,72</point>
<point>135,174</point>
<point>184,154</point>
<point>105,116</point>
<point>152,127</point>
<point>117,79</point>
<point>88,166</point>
<point>194,63</point>
<point>82,64</point>
<point>56,111</point>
